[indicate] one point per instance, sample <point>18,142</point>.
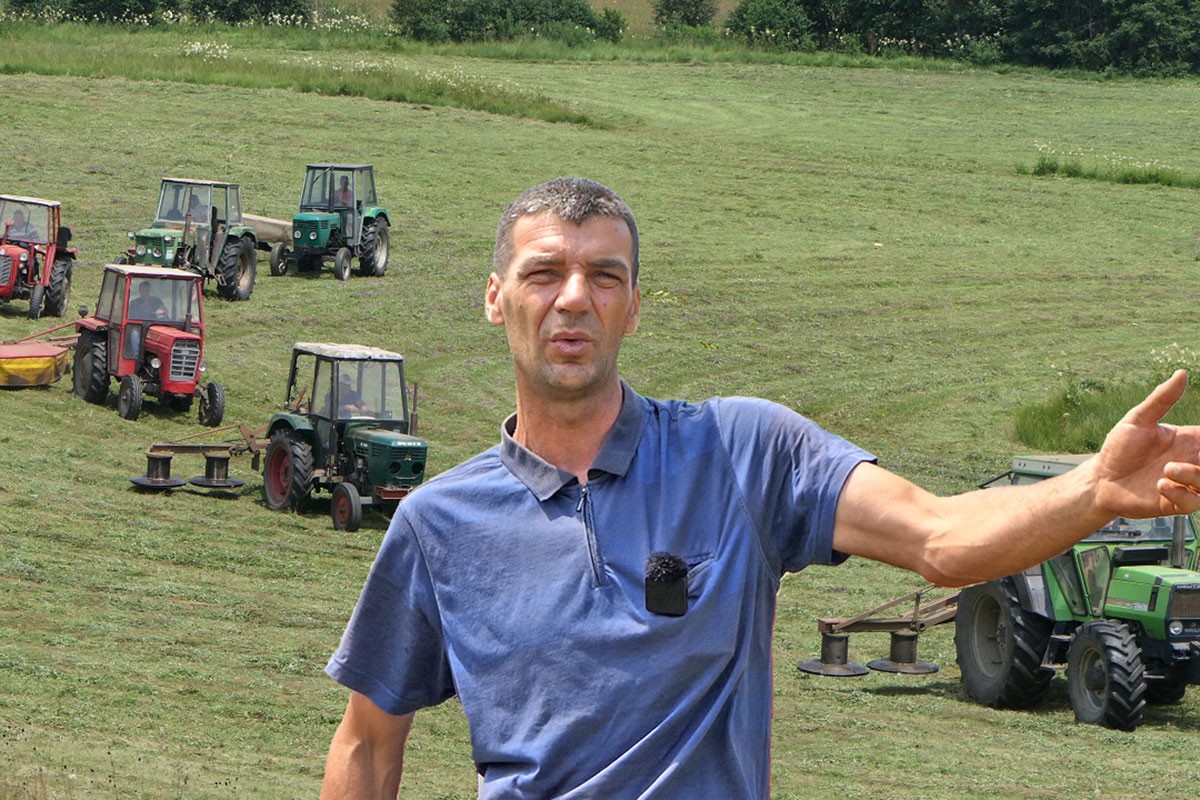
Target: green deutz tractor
<point>339,218</point>
<point>1119,611</point>
<point>348,428</point>
<point>198,226</point>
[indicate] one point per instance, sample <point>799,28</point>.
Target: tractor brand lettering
<point>1132,605</point>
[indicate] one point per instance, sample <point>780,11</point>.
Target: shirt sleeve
<point>791,472</point>
<point>393,649</point>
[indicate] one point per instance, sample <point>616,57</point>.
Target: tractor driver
<point>20,228</point>
<point>350,402</point>
<point>343,197</point>
<point>147,306</point>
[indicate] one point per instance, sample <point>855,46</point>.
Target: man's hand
<point>1147,468</point>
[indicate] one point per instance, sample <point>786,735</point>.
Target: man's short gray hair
<point>571,200</point>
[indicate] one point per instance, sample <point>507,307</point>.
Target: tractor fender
<point>295,422</point>
<point>93,324</point>
<point>375,212</point>
<point>239,231</point>
<point>1033,592</point>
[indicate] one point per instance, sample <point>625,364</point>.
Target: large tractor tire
<point>89,379</point>
<point>212,405</point>
<point>36,297</point>
<point>287,473</point>
<point>1000,646</point>
<point>1105,678</point>
<point>130,396</point>
<point>374,247</point>
<point>346,508</point>
<point>236,269</point>
<point>58,293</point>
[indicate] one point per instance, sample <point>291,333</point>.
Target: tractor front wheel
<point>341,263</point>
<point>373,251</point>
<point>58,293</point>
<point>999,646</point>
<point>346,508</point>
<point>36,296</point>
<point>212,405</point>
<point>279,259</point>
<point>89,380</point>
<point>287,473</point>
<point>236,268</point>
<point>1105,678</point>
<point>129,397</point>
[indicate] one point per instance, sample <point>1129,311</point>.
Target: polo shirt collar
<point>545,479</point>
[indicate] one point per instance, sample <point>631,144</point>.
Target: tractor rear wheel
<point>36,296</point>
<point>287,473</point>
<point>89,380</point>
<point>374,248</point>
<point>236,269</point>
<point>999,646</point>
<point>1105,678</point>
<point>58,293</point>
<point>279,259</point>
<point>346,508</point>
<point>129,397</point>
<point>341,263</point>
<point>212,405</point>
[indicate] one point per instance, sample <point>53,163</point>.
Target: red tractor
<point>148,332</point>
<point>35,261</point>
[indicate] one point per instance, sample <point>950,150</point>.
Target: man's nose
<point>575,293</point>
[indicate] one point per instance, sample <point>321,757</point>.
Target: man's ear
<point>491,301</point>
<point>635,312</point>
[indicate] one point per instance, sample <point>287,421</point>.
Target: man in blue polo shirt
<point>518,580</point>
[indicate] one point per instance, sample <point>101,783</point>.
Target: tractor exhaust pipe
<point>1178,537</point>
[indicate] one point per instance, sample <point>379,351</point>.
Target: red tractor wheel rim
<point>279,474</point>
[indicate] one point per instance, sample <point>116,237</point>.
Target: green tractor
<point>1119,611</point>
<point>339,218</point>
<point>198,226</point>
<point>348,428</point>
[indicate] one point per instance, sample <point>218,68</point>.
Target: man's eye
<point>606,279</point>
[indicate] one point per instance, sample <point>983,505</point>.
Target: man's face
<point>567,299</point>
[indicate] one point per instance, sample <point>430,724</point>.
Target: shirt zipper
<point>584,508</point>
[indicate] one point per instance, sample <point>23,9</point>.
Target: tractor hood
<point>393,459</point>
<point>156,245</point>
<point>1151,576</point>
<point>311,229</point>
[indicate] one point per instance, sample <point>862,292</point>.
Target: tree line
<point>1137,37</point>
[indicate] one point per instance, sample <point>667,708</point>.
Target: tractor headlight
<point>157,252</point>
<point>168,239</point>
<point>154,362</point>
<point>296,234</point>
<point>312,235</point>
<point>132,235</point>
<point>140,249</point>
<point>1175,627</point>
<point>24,257</point>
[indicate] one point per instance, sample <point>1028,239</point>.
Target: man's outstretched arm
<point>1144,469</point>
<point>366,756</point>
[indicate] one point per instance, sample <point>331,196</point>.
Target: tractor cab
<point>35,260</point>
<point>348,427</point>
<point>198,226</point>
<point>339,216</point>
<point>148,332</point>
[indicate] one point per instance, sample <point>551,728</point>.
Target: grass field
<point>855,243</point>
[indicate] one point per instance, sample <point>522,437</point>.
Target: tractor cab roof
<point>33,201</point>
<point>137,271</point>
<point>357,167</point>
<point>195,182</point>
<point>344,352</point>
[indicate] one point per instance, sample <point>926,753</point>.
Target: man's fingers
<point>1158,402</point>
<point>1184,499</point>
